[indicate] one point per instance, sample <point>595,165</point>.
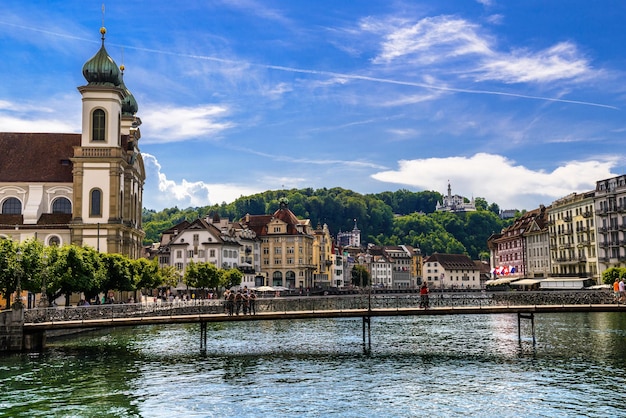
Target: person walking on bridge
<point>424,303</point>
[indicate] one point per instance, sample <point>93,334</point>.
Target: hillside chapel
<point>79,188</point>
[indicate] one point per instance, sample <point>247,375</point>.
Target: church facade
<point>79,188</point>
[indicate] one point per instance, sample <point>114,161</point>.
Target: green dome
<point>129,104</point>
<point>101,69</point>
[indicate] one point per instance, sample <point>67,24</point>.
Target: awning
<point>526,282</point>
<point>503,280</point>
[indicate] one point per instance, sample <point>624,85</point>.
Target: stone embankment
<point>582,297</point>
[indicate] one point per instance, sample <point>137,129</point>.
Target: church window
<point>54,241</point>
<point>12,206</point>
<point>98,125</point>
<point>62,205</point>
<point>95,205</point>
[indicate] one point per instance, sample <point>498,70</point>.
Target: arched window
<point>98,122</point>
<point>62,205</point>
<point>54,241</point>
<point>277,278</point>
<point>12,206</point>
<point>95,206</point>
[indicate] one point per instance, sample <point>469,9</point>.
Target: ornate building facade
<point>82,189</point>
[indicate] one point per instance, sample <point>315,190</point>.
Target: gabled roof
<point>452,261</point>
<point>37,157</point>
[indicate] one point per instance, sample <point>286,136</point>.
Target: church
<point>79,188</point>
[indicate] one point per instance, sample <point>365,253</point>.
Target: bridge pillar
<point>367,345</point>
<point>531,317</point>
<point>12,329</point>
<point>203,336</point>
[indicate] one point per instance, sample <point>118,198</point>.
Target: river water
<point>450,366</point>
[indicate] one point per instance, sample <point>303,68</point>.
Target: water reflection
<point>446,366</point>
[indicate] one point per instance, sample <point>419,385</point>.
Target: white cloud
<point>48,116</point>
<point>561,61</point>
<point>448,39</point>
<point>433,39</point>
<point>160,192</point>
<point>167,123</point>
<point>498,179</point>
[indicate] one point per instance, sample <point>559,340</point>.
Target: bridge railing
<point>315,303</point>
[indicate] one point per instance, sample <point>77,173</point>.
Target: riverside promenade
<point>39,321</point>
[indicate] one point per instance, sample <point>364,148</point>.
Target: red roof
<point>37,157</point>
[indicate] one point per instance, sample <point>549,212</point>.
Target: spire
<point>129,104</point>
<point>101,69</point>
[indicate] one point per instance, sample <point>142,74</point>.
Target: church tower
<point>108,169</point>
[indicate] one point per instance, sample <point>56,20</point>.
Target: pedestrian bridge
<point>366,306</point>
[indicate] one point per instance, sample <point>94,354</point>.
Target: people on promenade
<point>229,298</point>
<point>424,303</point>
<point>622,290</point>
<point>245,301</point>
<point>238,301</point>
<point>616,294</point>
<point>252,300</point>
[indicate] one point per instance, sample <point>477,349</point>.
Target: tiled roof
<point>54,219</point>
<point>452,261</point>
<point>37,157</point>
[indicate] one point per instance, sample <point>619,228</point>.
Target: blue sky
<point>518,102</point>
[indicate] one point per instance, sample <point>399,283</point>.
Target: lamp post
<point>43,300</point>
<point>17,304</point>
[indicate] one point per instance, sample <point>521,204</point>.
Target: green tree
<point>613,273</point>
<point>360,275</point>
<point>146,273</point>
<point>76,269</point>
<point>169,276</point>
<point>230,278</point>
<point>202,276</point>
<point>9,269</point>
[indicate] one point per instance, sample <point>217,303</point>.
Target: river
<point>450,366</point>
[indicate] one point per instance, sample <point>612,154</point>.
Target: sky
<point>517,102</point>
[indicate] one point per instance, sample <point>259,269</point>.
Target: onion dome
<point>129,104</point>
<point>101,69</point>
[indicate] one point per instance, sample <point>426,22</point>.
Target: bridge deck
<point>312,314</point>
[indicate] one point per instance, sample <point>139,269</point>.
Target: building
<point>85,188</point>
<point>211,240</point>
<point>324,257</point>
<point>350,239</point>
<point>287,255</point>
<point>510,248</point>
<point>455,203</point>
<point>573,236</point>
<point>451,271</point>
<point>610,212</point>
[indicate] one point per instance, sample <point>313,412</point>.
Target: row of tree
<point>388,218</point>
<point>70,269</point>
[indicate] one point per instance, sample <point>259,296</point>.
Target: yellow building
<point>287,255</point>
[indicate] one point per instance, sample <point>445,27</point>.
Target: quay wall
<point>11,330</point>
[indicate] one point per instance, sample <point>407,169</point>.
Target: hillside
<point>388,218</point>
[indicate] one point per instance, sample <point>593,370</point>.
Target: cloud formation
<point>499,179</point>
<point>167,193</point>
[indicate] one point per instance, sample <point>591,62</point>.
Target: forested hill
<point>388,218</point>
